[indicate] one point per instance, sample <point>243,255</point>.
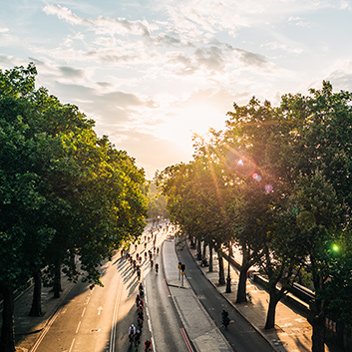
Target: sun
<point>185,122</point>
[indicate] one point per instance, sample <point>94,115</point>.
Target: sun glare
<point>184,123</point>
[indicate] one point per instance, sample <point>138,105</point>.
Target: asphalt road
<point>165,323</point>
<point>240,334</point>
<point>97,320</point>
<point>94,320</point>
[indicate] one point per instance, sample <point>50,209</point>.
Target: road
<point>94,320</point>
<point>97,320</point>
<point>240,334</point>
<point>166,325</point>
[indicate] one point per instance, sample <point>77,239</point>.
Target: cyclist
<point>147,346</point>
<point>137,337</point>
<point>131,332</point>
<point>225,318</point>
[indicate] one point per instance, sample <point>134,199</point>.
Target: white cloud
<point>274,45</point>
<point>63,13</point>
<point>299,21</point>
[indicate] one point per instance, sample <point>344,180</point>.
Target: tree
<point>65,193</point>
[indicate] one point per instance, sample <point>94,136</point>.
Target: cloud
<point>110,56</point>
<point>275,45</point>
<point>211,58</point>
<point>299,21</point>
<point>341,75</point>
<point>7,60</point>
<point>252,58</point>
<point>101,24</point>
<point>63,13</point>
<point>126,99</point>
<point>4,29</point>
<point>115,107</point>
<point>37,62</point>
<point>70,72</point>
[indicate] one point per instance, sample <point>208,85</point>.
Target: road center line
<point>84,310</point>
<point>73,342</point>
<point>78,326</point>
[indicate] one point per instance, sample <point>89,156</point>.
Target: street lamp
<point>228,279</point>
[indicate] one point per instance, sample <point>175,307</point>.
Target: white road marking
<point>149,321</point>
<point>50,323</point>
<point>114,327</point>
<point>84,310</point>
<point>78,326</point>
<point>73,342</point>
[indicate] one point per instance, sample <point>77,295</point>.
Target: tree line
<point>276,181</point>
<point>68,198</point>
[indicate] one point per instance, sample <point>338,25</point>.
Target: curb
<point>233,305</point>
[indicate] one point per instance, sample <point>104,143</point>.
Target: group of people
<point>135,332</point>
<point>137,262</point>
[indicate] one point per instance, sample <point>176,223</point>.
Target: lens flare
<point>256,177</point>
<point>268,188</point>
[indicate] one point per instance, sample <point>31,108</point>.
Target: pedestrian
<point>138,273</point>
<point>156,267</point>
<point>157,251</point>
<point>151,263</point>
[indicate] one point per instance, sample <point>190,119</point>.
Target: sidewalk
<point>292,332</point>
<point>201,329</point>
<point>29,329</point>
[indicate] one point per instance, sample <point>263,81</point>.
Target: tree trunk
<point>230,249</point>
<point>210,258</point>
<point>57,280</point>
<point>316,315</point>
<point>318,336</point>
<point>204,249</point>
<point>193,245</point>
<point>36,309</point>
<point>7,340</point>
<point>199,249</point>
<point>242,286</point>
<point>221,269</point>
<point>270,315</point>
<point>316,319</point>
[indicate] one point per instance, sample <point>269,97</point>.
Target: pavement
<point>29,329</point>
<point>200,328</point>
<point>292,331</point>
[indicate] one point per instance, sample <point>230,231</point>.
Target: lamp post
<point>228,279</point>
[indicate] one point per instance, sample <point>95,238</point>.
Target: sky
<point>152,73</point>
